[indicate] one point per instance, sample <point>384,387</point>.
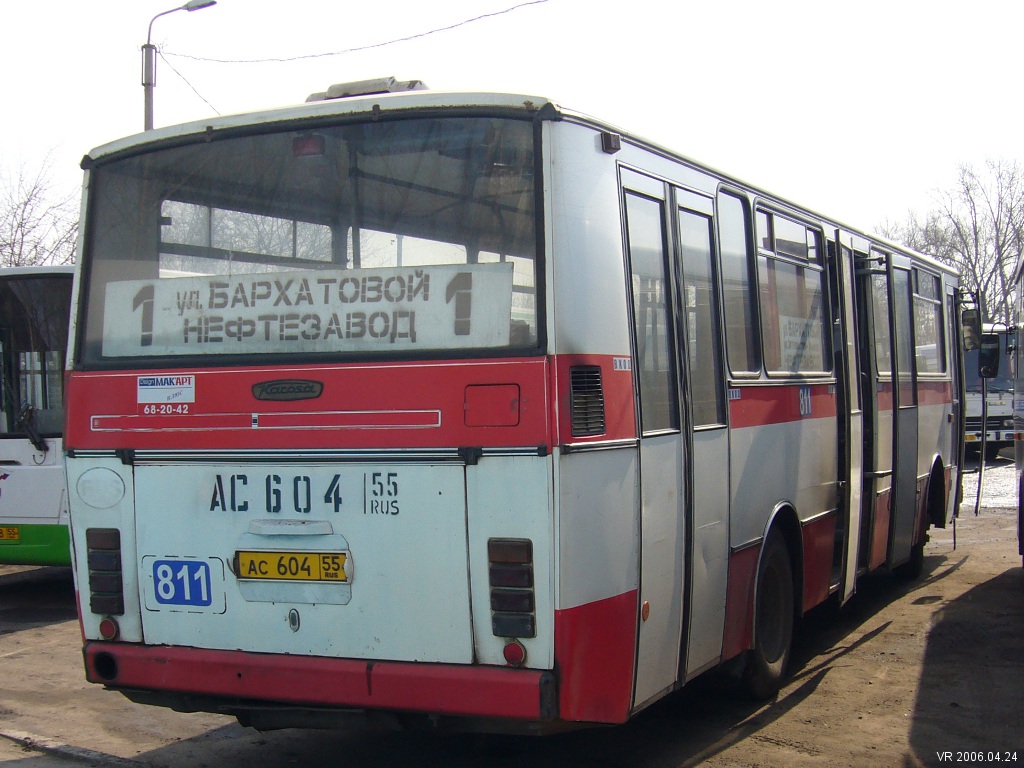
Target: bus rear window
<point>412,236</point>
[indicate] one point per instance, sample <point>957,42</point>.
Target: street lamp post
<point>149,56</point>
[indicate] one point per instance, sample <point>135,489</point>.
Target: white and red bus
<point>34,306</point>
<point>469,405</point>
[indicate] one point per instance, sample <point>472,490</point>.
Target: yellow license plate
<point>291,566</point>
<point>9,533</point>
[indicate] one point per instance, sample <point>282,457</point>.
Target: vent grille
<point>587,401</point>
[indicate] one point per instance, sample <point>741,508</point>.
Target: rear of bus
<point>309,436</point>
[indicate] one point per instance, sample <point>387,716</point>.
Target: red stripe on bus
<point>441,688</point>
<point>385,405</point>
<point>928,393</point>
<point>753,406</point>
<point>883,395</point>
<point>934,392</point>
<point>595,647</point>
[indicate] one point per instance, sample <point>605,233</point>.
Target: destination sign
<point>432,307</point>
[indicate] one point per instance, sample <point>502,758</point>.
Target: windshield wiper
<point>26,423</point>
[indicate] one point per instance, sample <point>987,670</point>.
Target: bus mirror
<point>988,356</point>
<point>971,320</point>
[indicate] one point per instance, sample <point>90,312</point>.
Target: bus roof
<point>45,269</point>
<point>350,105</point>
<point>411,96</point>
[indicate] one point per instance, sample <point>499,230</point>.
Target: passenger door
<point>878,398</point>
<point>851,417</point>
<point>662,535</point>
<point>706,477</point>
<point>905,439</point>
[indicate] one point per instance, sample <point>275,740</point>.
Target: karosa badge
<point>287,389</point>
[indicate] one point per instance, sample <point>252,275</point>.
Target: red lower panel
<point>819,548</point>
<point>436,688</point>
<point>739,606</point>
<point>595,649</point>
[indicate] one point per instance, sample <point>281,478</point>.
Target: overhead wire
<point>371,46</point>
<point>164,54</point>
<point>189,84</point>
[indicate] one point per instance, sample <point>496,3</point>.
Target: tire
<point>933,514</point>
<point>914,567</point>
<point>774,614</point>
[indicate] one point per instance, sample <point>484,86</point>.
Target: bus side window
<point>743,350</point>
<point>655,347</point>
<point>795,326</point>
<point>700,303</point>
<point>930,347</point>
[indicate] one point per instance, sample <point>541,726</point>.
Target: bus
<point>999,399</point>
<point>469,408</point>
<point>34,308</point>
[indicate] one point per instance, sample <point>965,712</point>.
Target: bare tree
<point>976,226</point>
<point>38,224</point>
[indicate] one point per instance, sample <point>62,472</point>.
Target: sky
<point>861,110</point>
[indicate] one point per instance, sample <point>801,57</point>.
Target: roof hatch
<point>367,88</point>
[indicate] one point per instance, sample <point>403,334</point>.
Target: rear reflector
<point>109,629</point>
<point>515,653</point>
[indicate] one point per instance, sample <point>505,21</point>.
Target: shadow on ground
<point>974,668</point>
<point>36,598</point>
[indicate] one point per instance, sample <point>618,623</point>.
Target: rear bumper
<point>1000,436</point>
<point>233,676</point>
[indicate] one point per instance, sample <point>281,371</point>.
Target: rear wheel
<point>774,614</point>
<point>914,567</point>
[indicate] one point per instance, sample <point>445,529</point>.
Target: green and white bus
<point>34,303</point>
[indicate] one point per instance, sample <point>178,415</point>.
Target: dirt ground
<point>908,673</point>
<point>916,673</point>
